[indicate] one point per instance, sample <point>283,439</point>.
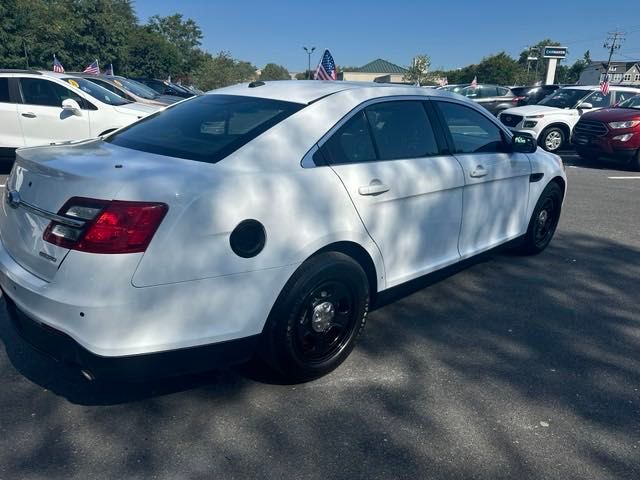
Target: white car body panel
<point>188,288</point>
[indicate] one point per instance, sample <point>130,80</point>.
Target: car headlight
<point>627,124</point>
<point>529,124</point>
<point>534,116</point>
<point>623,138</point>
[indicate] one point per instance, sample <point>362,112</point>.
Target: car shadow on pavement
<point>488,373</point>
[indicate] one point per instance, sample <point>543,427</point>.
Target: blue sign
<point>554,52</point>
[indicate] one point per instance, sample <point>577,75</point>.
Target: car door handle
<point>29,115</point>
<point>479,172</point>
<point>374,188</point>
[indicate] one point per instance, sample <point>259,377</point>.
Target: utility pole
<point>613,43</point>
<point>309,52</point>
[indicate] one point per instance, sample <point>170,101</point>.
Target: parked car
<point>532,94</point>
<point>454,88</point>
<point>164,87</point>
<point>552,120</point>
<point>259,219</point>
<point>131,90</point>
<point>39,108</point>
<point>611,132</point>
<point>492,97</point>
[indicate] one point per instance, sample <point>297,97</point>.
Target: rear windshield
<point>205,128</point>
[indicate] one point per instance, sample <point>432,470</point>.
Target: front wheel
<point>552,139</point>
<point>313,327</point>
<point>544,221</point>
<point>636,162</point>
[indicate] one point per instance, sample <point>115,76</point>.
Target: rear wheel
<point>636,161</point>
<point>317,318</point>
<point>552,139</point>
<point>544,221</point>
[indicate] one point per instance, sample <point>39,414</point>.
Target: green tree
<point>271,71</point>
<point>223,70</point>
<point>500,69</point>
<point>417,72</point>
<point>185,36</point>
<point>151,55</point>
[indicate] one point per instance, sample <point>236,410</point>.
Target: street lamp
<point>309,52</point>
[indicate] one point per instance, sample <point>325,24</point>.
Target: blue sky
<point>454,34</point>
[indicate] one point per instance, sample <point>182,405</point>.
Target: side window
<point>622,96</point>
<point>108,86</point>
<point>598,100</point>
<point>46,93</point>
<point>471,131</point>
<point>401,130</point>
<point>4,90</point>
<point>352,142</point>
<point>503,91</point>
<point>487,91</point>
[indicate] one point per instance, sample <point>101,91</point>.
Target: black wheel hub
<point>326,321</point>
<point>546,222</point>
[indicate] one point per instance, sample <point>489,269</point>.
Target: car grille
<point>590,128</point>
<point>510,120</point>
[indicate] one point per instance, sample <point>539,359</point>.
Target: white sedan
<point>259,220</point>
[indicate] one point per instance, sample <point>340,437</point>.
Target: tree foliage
<point>418,71</point>
<point>80,31</point>
<point>271,71</point>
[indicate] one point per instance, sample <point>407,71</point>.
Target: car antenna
<point>256,84</point>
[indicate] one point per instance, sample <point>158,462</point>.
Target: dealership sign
<point>554,52</point>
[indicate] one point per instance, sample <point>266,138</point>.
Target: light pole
<point>309,52</point>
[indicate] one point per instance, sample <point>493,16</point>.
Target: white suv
<point>38,108</point>
<point>552,120</point>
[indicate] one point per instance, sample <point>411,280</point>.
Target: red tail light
<point>99,226</point>
<point>517,99</point>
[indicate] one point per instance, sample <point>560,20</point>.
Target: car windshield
<point>206,128</point>
<point>633,102</point>
<point>136,88</point>
<point>565,98</point>
<point>96,91</point>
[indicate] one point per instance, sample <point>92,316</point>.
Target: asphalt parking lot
<point>512,367</point>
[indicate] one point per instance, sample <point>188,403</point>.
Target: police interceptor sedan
<point>259,221</point>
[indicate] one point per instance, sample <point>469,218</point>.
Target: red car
<point>610,132</point>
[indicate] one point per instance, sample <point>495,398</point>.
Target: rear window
<point>4,90</point>
<point>206,129</point>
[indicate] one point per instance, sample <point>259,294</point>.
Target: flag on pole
<point>109,70</point>
<point>443,82</point>
<point>474,84</point>
<point>57,66</point>
<point>604,85</point>
<point>93,68</point>
<point>326,68</point>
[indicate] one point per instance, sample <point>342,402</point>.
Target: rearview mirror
<point>70,105</point>
<point>523,143</point>
<point>585,106</point>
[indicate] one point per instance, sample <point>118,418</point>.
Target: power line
<point>613,43</point>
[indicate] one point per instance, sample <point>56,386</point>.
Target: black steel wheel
<point>544,221</point>
<point>317,317</point>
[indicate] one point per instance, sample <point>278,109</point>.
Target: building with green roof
<point>379,70</point>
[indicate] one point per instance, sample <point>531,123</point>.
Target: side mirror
<point>585,106</point>
<point>70,105</point>
<point>523,143</point>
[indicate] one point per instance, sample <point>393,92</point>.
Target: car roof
<point>309,91</point>
<point>597,87</point>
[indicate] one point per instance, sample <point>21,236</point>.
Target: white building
<point>620,73</point>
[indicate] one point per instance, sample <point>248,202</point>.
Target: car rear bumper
<point>64,349</point>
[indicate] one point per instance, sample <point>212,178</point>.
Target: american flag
<point>604,86</point>
<point>474,84</point>
<point>93,68</point>
<point>57,66</point>
<point>326,68</point>
<point>109,70</point>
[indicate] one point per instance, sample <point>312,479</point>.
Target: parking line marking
<point>623,178</point>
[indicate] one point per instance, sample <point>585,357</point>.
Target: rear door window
<point>4,90</point>
<point>598,100</point>
<point>206,128</point>
<point>622,96</point>
<point>401,130</point>
<point>352,142</point>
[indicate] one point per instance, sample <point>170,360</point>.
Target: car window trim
<point>307,159</point>
<point>84,105</point>
<point>506,134</point>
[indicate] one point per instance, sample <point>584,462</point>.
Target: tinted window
<point>622,96</point>
<point>471,131</point>
<point>564,98</point>
<point>598,100</point>
<point>106,85</point>
<point>43,92</point>
<point>503,91</point>
<point>352,142</point>
<point>206,129</point>
<point>487,91</point>
<point>97,91</point>
<point>4,90</point>
<point>401,130</point>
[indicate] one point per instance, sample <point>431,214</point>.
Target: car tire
<point>319,314</point>
<point>552,139</point>
<point>636,162</point>
<point>543,222</point>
